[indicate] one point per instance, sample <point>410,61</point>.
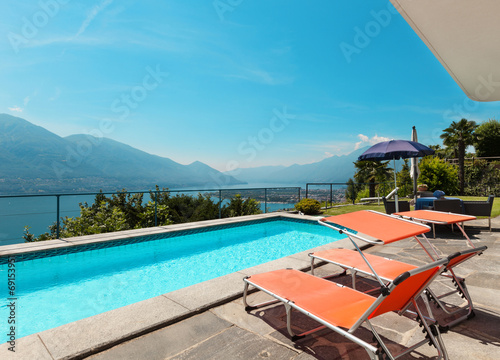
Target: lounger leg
<point>379,341</point>
<point>253,307</point>
<point>438,335</point>
<point>462,229</point>
<point>431,330</point>
<point>288,310</point>
<point>245,291</point>
<point>434,258</point>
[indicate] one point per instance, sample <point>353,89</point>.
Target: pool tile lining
<point>74,248</point>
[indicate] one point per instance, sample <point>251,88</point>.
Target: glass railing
<point>40,211</point>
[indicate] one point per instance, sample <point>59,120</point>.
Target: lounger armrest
<point>401,278</point>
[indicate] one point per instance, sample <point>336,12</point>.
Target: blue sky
<point>231,83</point>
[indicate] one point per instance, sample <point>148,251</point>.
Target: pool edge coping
<point>105,330</point>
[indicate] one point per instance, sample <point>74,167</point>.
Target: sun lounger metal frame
<point>413,230</point>
<point>455,259</point>
<point>443,218</point>
<point>386,269</point>
<point>400,293</point>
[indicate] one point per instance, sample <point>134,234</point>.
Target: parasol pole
<point>415,183</point>
<point>396,185</point>
<point>414,165</point>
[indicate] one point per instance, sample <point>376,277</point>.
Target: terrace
<point>208,321</point>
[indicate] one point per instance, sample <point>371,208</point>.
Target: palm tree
<point>371,172</point>
<point>458,136</point>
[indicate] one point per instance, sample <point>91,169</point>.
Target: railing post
<point>265,200</point>
<point>307,189</point>
<point>58,215</point>
<point>220,204</point>
<point>352,192</point>
<point>331,194</point>
<point>156,208</point>
<point>299,193</point>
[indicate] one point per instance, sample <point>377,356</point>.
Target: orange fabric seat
<point>340,306</point>
<point>435,216</point>
<point>386,268</point>
<point>380,226</point>
<point>343,309</point>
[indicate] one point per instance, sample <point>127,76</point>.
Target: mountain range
<point>33,160</point>
<point>332,169</point>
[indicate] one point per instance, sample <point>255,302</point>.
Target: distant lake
<point>40,212</point>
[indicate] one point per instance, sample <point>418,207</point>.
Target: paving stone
<point>484,325</point>
<point>169,341</point>
<point>464,346</point>
<point>26,348</point>
<point>235,343</point>
<point>235,313</point>
<point>79,337</point>
<point>208,293</point>
<point>490,280</point>
<point>389,250</point>
<point>392,326</point>
<point>490,298</point>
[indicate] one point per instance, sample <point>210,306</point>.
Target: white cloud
<point>26,100</point>
<point>16,109</point>
<point>91,16</point>
<point>365,140</point>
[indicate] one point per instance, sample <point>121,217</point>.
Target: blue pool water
<point>56,290</point>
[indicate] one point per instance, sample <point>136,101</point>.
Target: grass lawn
<point>351,208</point>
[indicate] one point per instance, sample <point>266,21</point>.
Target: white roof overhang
<point>464,35</point>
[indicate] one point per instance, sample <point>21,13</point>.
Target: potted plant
<point>422,187</point>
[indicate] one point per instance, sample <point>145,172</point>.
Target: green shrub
<point>482,178</point>
<point>439,175</point>
<point>364,193</point>
<point>238,207</point>
<point>308,206</point>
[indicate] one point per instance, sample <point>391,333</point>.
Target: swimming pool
<point>57,288</point>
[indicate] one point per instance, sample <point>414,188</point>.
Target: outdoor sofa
<point>480,208</point>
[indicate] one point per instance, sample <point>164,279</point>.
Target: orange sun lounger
<point>437,218</point>
<point>388,229</point>
<point>344,310</point>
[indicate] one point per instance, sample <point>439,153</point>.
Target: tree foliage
<point>438,175</point>
<point>124,211</point>
<point>351,193</point>
<point>404,180</point>
<point>239,207</point>
<point>482,177</point>
<point>371,172</point>
<point>443,153</point>
<point>458,136</point>
<point>488,139</point>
